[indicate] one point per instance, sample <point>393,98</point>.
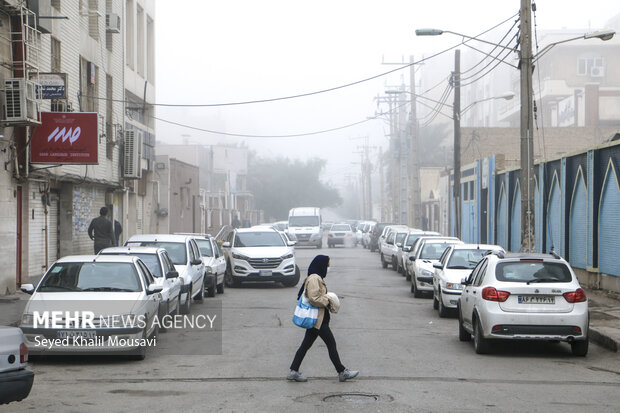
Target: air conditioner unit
<point>132,168</point>
<point>597,71</point>
<point>112,23</point>
<point>21,105</point>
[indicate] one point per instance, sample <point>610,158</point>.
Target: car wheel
<point>463,334</point>
<point>407,275</point>
<point>372,249</point>
<point>229,280</point>
<point>394,264</point>
<point>320,245</point>
<point>161,315</point>
<point>294,279</point>
<point>481,344</point>
<point>201,294</point>
<point>141,350</point>
<point>383,263</point>
<point>211,286</point>
<point>443,311</point>
<point>416,293</point>
<point>188,302</point>
<point>579,348</point>
<point>220,287</point>
<point>435,302</point>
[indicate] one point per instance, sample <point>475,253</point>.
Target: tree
<point>281,184</point>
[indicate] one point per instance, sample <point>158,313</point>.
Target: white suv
<point>185,256</point>
<point>523,297</point>
<point>389,248</point>
<point>259,254</point>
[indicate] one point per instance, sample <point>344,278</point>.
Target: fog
<point>210,52</point>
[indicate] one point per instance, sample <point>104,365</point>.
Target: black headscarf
<point>318,266</point>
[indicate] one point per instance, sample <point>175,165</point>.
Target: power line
<point>331,89</point>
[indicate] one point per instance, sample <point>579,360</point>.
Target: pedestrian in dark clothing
<point>315,289</point>
<point>235,223</point>
<point>101,231</point>
<point>118,230</point>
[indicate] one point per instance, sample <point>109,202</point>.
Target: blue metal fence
<point>576,205</point>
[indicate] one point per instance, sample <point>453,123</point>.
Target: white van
<point>305,225</point>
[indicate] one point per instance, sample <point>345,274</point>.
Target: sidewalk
<point>604,315</point>
<point>604,318</point>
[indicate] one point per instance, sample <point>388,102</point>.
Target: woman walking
<point>316,292</point>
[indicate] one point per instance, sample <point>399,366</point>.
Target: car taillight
<point>578,296</point>
<point>330,236</point>
<point>491,294</point>
<point>23,353</point>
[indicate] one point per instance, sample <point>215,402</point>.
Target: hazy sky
<point>238,50</point>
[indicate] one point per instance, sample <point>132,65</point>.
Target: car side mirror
<point>172,274</point>
<point>438,266</point>
<point>411,258</point>
<point>292,243</point>
<point>197,261</point>
<point>406,248</point>
<point>399,244</point>
<point>27,288</point>
<point>226,244</point>
<point>154,289</point>
<point>465,281</point>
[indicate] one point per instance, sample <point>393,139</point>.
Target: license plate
<point>265,273</point>
<point>536,299</point>
<point>72,333</point>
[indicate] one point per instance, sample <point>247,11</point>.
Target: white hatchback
<point>456,263</point>
<point>427,251</point>
<point>523,296</point>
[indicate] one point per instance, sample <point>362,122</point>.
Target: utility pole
<point>456,80</point>
<point>528,240</point>
<point>382,185</point>
<point>403,163</point>
<point>415,206</point>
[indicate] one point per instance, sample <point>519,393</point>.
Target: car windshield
<point>176,250</point>
<point>400,236</point>
<point>341,227</point>
<point>411,239</point>
<point>307,221</point>
<point>204,245</point>
<point>258,239</point>
<point>433,251</point>
<point>91,276</point>
<point>466,259</point>
<point>532,271</point>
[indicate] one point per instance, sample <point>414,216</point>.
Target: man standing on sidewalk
<point>101,231</point>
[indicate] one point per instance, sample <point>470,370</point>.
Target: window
<point>588,66</point>
<point>109,129</point>
<point>532,271</point>
<point>258,239</point>
<point>150,52</point>
<point>93,19</point>
<point>89,81</point>
<point>480,276</point>
<point>465,188</point>
<point>471,191</point>
<point>55,55</point>
<point>140,33</point>
<point>129,33</point>
<point>55,4</point>
<point>204,245</point>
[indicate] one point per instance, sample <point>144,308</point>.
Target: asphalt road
<point>409,360</point>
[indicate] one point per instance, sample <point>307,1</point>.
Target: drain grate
<point>351,398</point>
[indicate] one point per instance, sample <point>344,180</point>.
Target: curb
<point>606,337</point>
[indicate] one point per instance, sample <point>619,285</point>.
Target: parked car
<point>15,379</point>
<point>163,271</point>
<point>392,244</point>
<point>376,234</point>
<point>403,252</point>
<point>456,263</point>
<point>185,256</point>
<point>214,261</point>
<point>259,254</point>
<point>366,229</point>
<point>341,234</point>
<point>281,225</point>
<point>428,252</point>
<point>118,290</point>
<point>523,296</point>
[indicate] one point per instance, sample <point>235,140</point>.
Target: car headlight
<point>426,273</point>
<point>454,286</point>
<point>287,256</point>
<point>27,319</point>
<point>208,269</point>
<point>239,256</point>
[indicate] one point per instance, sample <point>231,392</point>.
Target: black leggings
<point>311,334</point>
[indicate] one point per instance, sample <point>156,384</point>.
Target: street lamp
<point>526,61</point>
<point>505,96</point>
